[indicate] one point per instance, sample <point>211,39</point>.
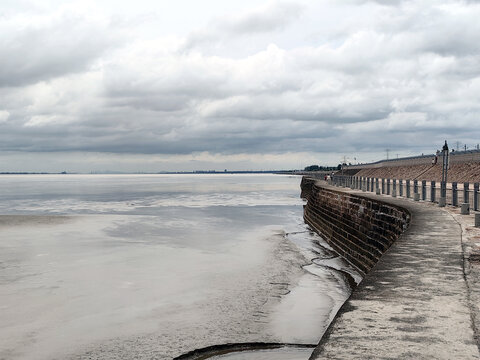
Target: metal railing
<point>428,191</point>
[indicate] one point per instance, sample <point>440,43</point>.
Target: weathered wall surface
<point>358,228</point>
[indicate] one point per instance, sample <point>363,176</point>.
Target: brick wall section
<point>459,172</point>
<point>455,157</point>
<point>359,228</point>
<point>464,167</point>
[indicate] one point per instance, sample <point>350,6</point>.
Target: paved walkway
<point>415,303</point>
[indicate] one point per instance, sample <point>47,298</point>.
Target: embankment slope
<point>458,172</point>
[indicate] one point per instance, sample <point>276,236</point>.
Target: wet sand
<point>153,266</point>
<point>71,289</point>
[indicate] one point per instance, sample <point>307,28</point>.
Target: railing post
<point>368,184</point>
<point>466,191</point>
<point>394,189</point>
<point>454,194</point>
<point>475,196</point>
<point>432,191</point>
<point>424,190</point>
<point>443,194</point>
<point>383,186</point>
<point>388,186</point>
<point>400,187</point>
<point>415,186</point>
<point>408,189</point>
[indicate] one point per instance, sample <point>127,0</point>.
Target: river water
<point>155,266</point>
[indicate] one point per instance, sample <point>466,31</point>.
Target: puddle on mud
<point>284,353</point>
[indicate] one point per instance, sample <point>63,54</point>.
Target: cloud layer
<point>282,78</point>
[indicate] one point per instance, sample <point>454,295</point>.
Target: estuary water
<point>155,266</point>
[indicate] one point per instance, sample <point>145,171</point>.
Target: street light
<point>443,187</point>
<point>445,162</point>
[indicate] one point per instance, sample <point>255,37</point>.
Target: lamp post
<point>445,162</point>
<point>443,190</point>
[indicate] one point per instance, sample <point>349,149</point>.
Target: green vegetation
<point>320,168</point>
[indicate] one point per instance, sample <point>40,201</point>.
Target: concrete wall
<point>358,228</point>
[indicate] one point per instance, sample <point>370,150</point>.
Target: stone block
<point>465,209</point>
<point>442,202</point>
<point>416,197</point>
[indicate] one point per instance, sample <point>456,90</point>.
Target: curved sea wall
<point>359,228</point>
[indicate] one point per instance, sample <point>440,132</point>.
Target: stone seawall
<point>359,228</point>
<point>415,303</point>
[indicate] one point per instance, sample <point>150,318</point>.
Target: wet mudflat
<point>111,267</point>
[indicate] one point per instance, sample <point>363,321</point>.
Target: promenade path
<point>415,303</point>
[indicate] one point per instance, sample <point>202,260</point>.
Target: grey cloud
<point>276,16</point>
<point>39,52</point>
<point>380,2</point>
<point>394,85</point>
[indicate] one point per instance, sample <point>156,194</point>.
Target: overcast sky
<point>160,85</point>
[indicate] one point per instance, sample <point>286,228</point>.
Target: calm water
<point>153,266</point>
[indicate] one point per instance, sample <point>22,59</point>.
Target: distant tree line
<point>323,168</point>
